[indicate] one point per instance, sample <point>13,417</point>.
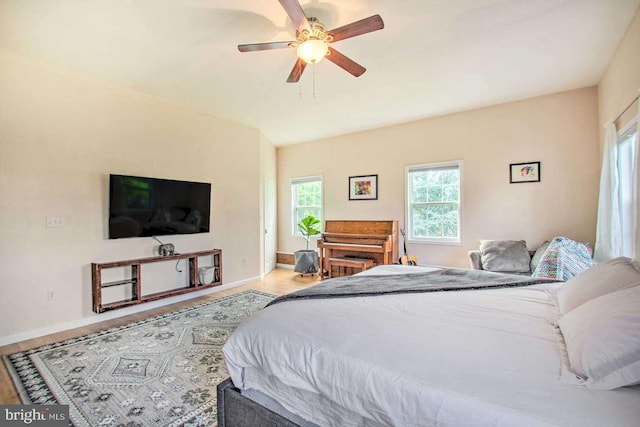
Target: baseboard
<point>285,258</point>
<point>289,266</point>
<point>117,313</point>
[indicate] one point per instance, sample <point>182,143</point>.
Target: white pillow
<point>602,339</point>
<point>610,276</point>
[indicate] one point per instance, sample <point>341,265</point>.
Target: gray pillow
<point>505,256</point>
<point>539,252</point>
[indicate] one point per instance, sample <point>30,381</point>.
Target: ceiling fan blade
<point>263,46</point>
<point>296,73</point>
<point>363,26</point>
<point>345,63</point>
<point>295,12</point>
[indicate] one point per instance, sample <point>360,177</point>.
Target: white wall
<point>61,135</point>
<point>621,81</point>
<point>560,130</point>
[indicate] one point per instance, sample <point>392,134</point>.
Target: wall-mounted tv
<point>145,207</point>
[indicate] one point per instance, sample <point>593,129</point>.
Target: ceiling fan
<point>312,41</point>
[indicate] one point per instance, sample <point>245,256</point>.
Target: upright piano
<point>376,240</point>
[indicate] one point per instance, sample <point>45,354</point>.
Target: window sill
<point>436,242</point>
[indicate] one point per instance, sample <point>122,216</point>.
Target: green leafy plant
<point>309,226</point>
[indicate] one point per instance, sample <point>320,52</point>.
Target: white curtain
<point>618,231</point>
<point>609,228</point>
<point>636,188</point>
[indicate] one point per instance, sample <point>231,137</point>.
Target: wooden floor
<point>279,281</point>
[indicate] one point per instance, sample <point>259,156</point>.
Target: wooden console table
<point>136,282</point>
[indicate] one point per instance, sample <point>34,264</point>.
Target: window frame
<point>409,204</point>
<point>292,184</point>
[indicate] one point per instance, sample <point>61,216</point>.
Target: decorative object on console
<point>165,249</point>
<point>364,187</point>
<point>207,275</point>
<point>307,260</point>
<point>524,172</point>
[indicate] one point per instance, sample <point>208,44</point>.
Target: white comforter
<point>464,358</point>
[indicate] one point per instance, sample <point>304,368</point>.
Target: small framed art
<point>524,172</point>
<point>364,187</point>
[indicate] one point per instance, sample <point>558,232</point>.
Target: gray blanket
<point>451,279</point>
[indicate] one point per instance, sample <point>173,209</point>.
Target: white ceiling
<point>432,58</point>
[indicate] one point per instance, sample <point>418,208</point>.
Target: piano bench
<point>341,263</point>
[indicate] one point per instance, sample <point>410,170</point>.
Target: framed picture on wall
<point>524,172</point>
<point>364,187</point>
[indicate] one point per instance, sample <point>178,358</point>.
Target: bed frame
<point>236,410</point>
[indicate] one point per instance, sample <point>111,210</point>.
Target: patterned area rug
<point>161,371</point>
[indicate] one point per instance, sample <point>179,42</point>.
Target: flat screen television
<point>145,207</point>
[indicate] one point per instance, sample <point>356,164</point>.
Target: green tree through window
<point>306,196</point>
<point>433,202</point>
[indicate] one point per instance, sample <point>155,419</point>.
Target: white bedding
<point>464,358</point>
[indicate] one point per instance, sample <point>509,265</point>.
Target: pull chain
<point>314,81</point>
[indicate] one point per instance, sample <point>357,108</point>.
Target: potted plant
<point>307,260</point>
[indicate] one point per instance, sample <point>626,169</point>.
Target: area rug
<point>161,371</point>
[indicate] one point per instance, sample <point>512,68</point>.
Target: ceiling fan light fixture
<point>312,51</point>
<point>313,40</point>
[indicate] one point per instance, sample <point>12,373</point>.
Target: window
<point>627,146</point>
<point>306,199</point>
<point>433,202</point>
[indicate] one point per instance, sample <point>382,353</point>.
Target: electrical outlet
<point>50,296</point>
<point>55,221</point>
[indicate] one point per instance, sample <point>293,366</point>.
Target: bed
<point>473,357</point>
